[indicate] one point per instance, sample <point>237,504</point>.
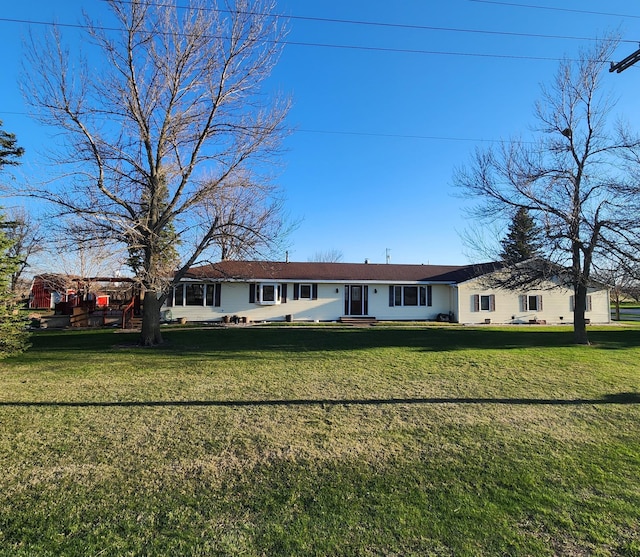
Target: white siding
<point>329,306</point>
<point>556,305</point>
<point>379,305</point>
<point>234,301</point>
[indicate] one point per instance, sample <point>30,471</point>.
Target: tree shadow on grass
<point>430,339</point>
<point>219,342</point>
<point>614,398</point>
<point>426,338</point>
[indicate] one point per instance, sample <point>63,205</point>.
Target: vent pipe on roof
<point>366,261</point>
<point>286,257</point>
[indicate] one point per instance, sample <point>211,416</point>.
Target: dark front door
<point>356,299</point>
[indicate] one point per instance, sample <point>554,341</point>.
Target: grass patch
<point>417,440</point>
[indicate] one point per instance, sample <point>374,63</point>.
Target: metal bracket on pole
<point>626,63</point>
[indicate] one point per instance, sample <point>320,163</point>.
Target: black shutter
<point>346,300</point>
<point>365,293</point>
<point>283,297</point>
<point>392,296</point>
<point>429,295</point>
<point>314,291</point>
<point>252,293</point>
<point>217,295</point>
<point>296,291</point>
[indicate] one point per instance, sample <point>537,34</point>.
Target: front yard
<point>420,440</point>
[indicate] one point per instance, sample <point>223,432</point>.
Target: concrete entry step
<point>358,320</point>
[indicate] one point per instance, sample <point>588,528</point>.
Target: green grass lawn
<point>416,440</point>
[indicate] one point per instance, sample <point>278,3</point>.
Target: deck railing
<point>127,312</point>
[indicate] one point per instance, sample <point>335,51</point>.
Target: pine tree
<point>9,150</point>
<point>13,324</point>
<point>13,331</point>
<point>523,240</point>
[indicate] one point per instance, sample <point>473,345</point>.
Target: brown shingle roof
<point>317,272</point>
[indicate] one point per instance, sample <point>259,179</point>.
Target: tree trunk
<point>151,335</point>
<point>579,308</point>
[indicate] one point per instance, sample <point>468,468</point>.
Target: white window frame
<point>399,298</point>
<point>208,291</point>
<point>526,305</point>
<point>305,285</point>
<point>277,291</point>
<point>477,302</point>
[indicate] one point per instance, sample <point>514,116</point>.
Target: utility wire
<point>329,45</point>
<point>355,133</point>
<point>403,136</point>
<point>391,25</point>
<point>552,8</point>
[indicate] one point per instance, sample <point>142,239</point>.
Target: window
<point>179,295</point>
<point>483,302</point>
<point>410,296</point>
<point>530,303</point>
<point>398,296</point>
<point>305,291</point>
<point>267,293</point>
<point>213,292</point>
<point>195,294</point>
<point>425,296</point>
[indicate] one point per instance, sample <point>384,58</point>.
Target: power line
<point>392,25</point>
<point>403,136</point>
<point>355,133</point>
<point>568,10</point>
<point>369,23</point>
<point>330,45</point>
<point>427,52</point>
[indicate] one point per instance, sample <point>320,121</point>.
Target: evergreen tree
<point>13,330</point>
<point>523,240</point>
<point>13,324</point>
<point>9,151</point>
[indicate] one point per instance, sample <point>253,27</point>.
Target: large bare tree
<point>27,241</point>
<point>569,178</point>
<point>168,133</point>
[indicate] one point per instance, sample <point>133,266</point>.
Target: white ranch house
<point>257,291</point>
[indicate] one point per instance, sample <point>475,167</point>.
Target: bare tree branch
<point>572,179</point>
<point>167,145</point>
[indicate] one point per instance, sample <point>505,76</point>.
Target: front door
<point>356,299</point>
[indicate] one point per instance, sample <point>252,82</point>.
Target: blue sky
<point>387,102</point>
